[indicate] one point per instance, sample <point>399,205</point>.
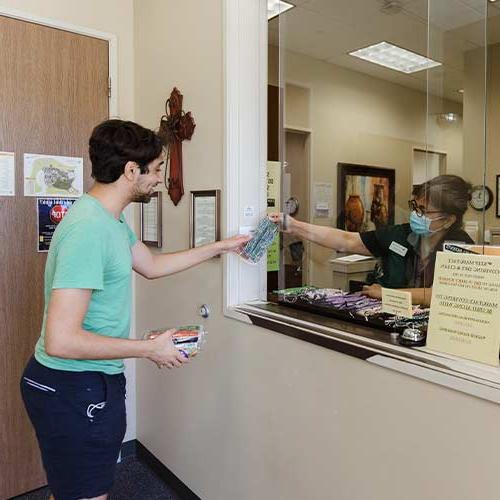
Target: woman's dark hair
<point>115,142</point>
<point>448,193</point>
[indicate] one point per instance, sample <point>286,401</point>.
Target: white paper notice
<point>205,222</point>
<point>7,174</point>
<point>323,196</point>
<point>150,220</point>
<point>465,310</point>
<point>53,176</point>
<point>353,258</point>
<point>397,302</point>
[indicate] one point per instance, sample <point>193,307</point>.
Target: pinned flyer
<point>53,176</point>
<point>7,174</point>
<point>397,302</point>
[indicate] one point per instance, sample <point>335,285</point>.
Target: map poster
<point>50,212</point>
<point>53,176</point>
<point>465,311</point>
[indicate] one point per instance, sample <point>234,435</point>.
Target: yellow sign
<point>397,302</point>
<point>465,313</point>
<point>273,205</point>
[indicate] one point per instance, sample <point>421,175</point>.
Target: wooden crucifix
<point>175,127</point>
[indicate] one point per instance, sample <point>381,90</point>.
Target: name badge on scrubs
<point>399,249</point>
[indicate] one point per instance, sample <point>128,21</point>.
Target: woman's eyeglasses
<point>420,210</point>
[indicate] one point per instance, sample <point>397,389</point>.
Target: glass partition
<point>381,123</point>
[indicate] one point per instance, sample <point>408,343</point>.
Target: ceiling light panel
<point>390,56</point>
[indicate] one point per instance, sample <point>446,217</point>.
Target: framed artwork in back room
<point>365,197</point>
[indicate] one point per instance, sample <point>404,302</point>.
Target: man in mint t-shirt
<point>74,387</point>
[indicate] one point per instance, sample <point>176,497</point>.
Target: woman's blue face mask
<point>421,224</point>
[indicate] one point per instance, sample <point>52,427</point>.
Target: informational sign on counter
<point>50,212</point>
<point>465,313</point>
<point>397,302</point>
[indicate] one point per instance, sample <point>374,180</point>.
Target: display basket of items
<point>353,307</point>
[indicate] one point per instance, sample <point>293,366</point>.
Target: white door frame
<point>245,142</point>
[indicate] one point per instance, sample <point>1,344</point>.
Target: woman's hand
<point>279,218</point>
<point>374,291</point>
<point>163,351</point>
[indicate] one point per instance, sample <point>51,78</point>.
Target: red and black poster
<point>50,211</point>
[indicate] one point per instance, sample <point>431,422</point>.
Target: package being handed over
<point>188,339</point>
<point>262,239</point>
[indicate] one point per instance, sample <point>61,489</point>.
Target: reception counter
<point>378,347</point>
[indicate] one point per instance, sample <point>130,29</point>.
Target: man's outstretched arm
<point>153,266</point>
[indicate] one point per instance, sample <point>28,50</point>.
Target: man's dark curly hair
<point>115,142</point>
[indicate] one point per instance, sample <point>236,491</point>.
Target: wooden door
<point>53,91</point>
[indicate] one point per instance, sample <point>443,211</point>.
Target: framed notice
<point>151,226</point>
<point>204,217</point>
<point>497,195</point>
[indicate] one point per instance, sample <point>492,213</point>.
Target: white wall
<point>477,151</point>
<point>112,17</point>
<point>257,414</point>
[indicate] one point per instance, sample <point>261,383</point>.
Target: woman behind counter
<point>407,251</point>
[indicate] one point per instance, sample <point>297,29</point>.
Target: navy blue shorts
<point>80,421</point>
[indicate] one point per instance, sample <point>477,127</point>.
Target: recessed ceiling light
<point>394,57</point>
<point>460,91</point>
<point>277,7</point>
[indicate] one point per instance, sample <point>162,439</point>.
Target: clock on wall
<point>292,206</point>
<point>481,197</point>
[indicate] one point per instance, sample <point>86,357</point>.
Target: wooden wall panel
<point>53,91</point>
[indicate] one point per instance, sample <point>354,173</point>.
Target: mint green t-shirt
<point>91,249</point>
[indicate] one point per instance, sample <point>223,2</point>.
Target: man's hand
<point>233,244</point>
<point>164,352</point>
<point>374,291</point>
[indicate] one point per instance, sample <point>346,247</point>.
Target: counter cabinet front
<point>377,347</point>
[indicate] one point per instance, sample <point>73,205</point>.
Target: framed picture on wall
<point>497,193</point>
<point>205,217</point>
<point>365,197</point>
<point>151,225</point>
